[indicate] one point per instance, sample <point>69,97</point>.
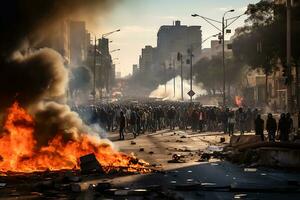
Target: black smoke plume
<point>27,20</point>
<point>38,79</point>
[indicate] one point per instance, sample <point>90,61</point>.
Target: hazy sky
<point>139,21</point>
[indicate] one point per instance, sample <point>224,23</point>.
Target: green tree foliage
<point>262,41</point>
<point>209,71</point>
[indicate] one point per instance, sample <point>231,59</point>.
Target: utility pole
<point>180,58</point>
<point>290,102</point>
<point>165,75</point>
<point>174,83</point>
<point>223,60</point>
<point>191,71</point>
<point>94,70</point>
<point>211,22</point>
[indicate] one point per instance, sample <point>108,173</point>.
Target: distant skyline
<point>140,20</point>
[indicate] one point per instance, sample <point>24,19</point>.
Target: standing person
<point>133,120</point>
<point>271,127</point>
<point>241,120</point>
<point>259,127</point>
<point>225,116</point>
<point>249,120</point>
<point>201,120</point>
<point>282,128</point>
<point>122,125</point>
<point>231,123</point>
<point>289,126</point>
<point>195,118</point>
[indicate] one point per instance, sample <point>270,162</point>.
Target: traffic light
<point>179,56</point>
<point>220,38</point>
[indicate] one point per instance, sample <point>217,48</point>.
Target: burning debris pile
<point>38,130</point>
<point>21,153</point>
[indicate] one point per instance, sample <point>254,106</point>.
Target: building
<point>78,42</point>
<point>177,38</point>
<point>106,71</point>
<point>294,2</point>
<point>135,69</point>
<point>147,58</point>
<point>215,49</point>
<point>118,75</point>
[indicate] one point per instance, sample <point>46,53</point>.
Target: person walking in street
<point>271,127</point>
<point>122,125</point>
<point>241,120</point>
<point>290,126</point>
<point>231,123</point>
<point>259,127</point>
<point>282,127</point>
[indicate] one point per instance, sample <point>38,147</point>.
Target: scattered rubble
<point>89,164</point>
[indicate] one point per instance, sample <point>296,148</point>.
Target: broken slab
<point>236,141</point>
<point>279,157</point>
<point>89,164</point>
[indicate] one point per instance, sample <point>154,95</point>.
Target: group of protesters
<point>138,118</point>
<point>283,128</point>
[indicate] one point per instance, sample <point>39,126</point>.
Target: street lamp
<point>109,33</point>
<point>211,22</point>
<point>115,50</point>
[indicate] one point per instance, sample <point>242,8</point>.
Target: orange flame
<point>239,101</point>
<point>19,152</point>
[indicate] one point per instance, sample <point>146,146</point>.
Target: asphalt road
<point>210,179</point>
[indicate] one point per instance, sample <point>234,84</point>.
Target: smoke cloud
<point>168,94</point>
<point>31,78</point>
<point>27,21</point>
<point>38,79</point>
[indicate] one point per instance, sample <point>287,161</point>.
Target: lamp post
<point>224,26</point>
<point>290,102</point>
<point>180,58</point>
<point>104,36</point>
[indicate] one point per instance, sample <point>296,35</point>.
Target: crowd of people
<point>137,118</point>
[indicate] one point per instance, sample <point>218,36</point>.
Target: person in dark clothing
<point>282,127</point>
<point>289,124</point>
<point>133,122</point>
<point>195,118</point>
<point>259,127</point>
<point>122,125</point>
<point>225,116</point>
<point>271,127</point>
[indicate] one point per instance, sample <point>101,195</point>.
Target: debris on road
<point>89,164</point>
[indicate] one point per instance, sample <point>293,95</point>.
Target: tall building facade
<point>147,59</point>
<point>177,38</point>
<point>78,43</point>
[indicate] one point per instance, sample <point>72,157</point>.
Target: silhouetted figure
<point>290,127</point>
<point>259,127</point>
<point>231,123</point>
<point>122,125</point>
<point>271,127</point>
<point>241,119</point>
<point>282,127</point>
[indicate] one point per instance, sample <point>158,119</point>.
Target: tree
<point>262,42</point>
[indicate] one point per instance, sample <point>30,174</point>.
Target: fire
<point>239,101</point>
<point>19,151</point>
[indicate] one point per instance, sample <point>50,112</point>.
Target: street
<point>150,100</point>
<point>215,176</point>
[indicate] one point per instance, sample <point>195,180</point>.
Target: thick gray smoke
<point>29,20</point>
<point>38,79</point>
<point>32,78</point>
